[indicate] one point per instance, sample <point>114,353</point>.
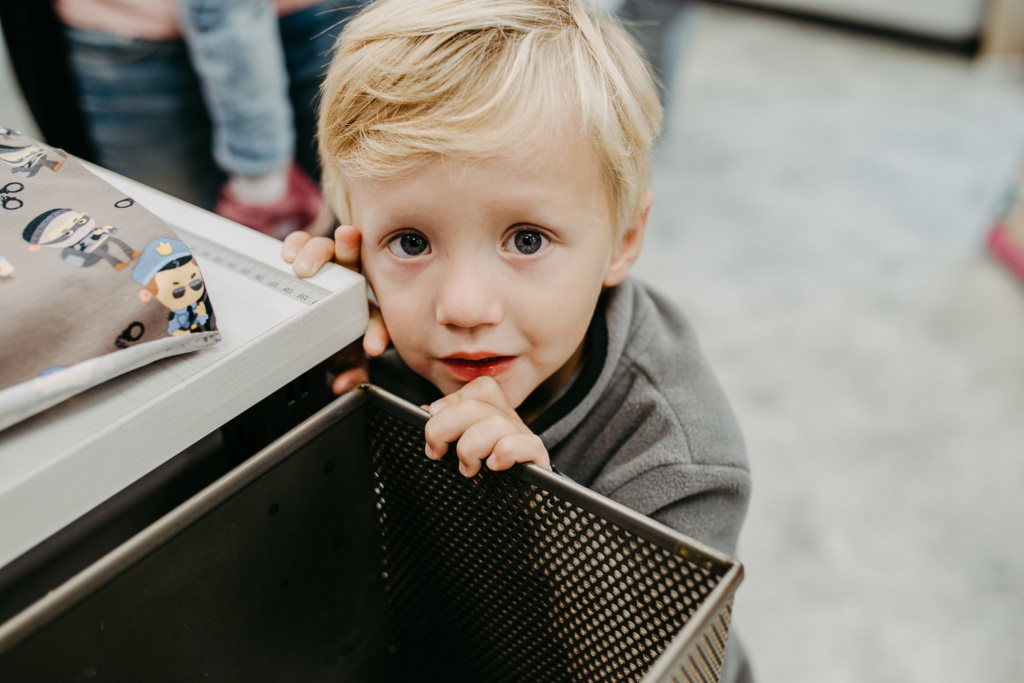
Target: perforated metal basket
<point>535,577</point>
<point>341,553</point>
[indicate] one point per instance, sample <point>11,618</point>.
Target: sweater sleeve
<point>713,515</point>
<point>671,450</point>
<point>686,468</point>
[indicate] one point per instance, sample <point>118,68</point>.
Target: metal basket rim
<point>94,577</point>
<point>700,554</point>
<point>691,549</point>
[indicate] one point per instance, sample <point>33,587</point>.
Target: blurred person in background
<point>212,101</point>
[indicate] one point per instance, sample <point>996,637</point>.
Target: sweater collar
<point>606,344</point>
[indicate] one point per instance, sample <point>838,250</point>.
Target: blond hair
<point>412,80</point>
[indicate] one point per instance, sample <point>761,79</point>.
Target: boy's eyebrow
<point>400,216</point>
<point>511,210</point>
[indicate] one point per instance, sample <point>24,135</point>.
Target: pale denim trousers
<point>237,95</point>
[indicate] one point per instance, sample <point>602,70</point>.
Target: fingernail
<point>306,263</point>
<point>290,252</point>
<point>372,347</point>
<point>463,469</point>
<point>492,461</point>
<point>436,406</point>
<point>429,451</point>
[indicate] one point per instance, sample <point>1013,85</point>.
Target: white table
<point>61,463</point>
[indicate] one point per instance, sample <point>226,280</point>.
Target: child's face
<point>491,267</point>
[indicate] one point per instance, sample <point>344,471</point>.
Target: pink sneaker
<point>1008,249</point>
<point>301,206</point>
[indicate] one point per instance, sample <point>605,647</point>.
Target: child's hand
<point>487,428</point>
<point>308,255</point>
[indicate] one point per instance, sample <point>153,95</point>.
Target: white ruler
<point>284,283</point>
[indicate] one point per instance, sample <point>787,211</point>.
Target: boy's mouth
<point>470,366</point>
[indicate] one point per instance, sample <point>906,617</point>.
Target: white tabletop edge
<point>43,498</point>
<point>243,240</point>
<point>105,462</point>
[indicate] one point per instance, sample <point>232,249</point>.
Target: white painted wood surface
<point>61,463</point>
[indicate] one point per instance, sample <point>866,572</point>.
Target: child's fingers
<point>350,366</point>
<point>347,241</point>
<point>448,426</point>
<point>518,448</point>
<point>486,390</point>
<point>376,338</point>
<point>480,439</point>
<point>312,256</point>
<point>293,243</point>
<point>481,402</point>
<point>482,389</point>
<point>349,379</point>
<point>309,254</point>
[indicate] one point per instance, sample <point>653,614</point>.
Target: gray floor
<point>822,200</point>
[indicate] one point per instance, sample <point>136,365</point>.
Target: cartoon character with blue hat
<point>170,275</point>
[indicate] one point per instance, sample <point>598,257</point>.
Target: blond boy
<point>489,161</point>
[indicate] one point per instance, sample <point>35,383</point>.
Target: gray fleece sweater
<point>654,431</point>
<point>644,423</point>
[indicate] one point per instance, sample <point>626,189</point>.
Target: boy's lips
<point>469,366</point>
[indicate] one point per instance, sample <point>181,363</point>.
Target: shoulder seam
<point>675,415</point>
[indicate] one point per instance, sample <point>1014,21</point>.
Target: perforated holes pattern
<point>493,579</point>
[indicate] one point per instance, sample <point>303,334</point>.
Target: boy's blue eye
<point>409,244</point>
<point>527,241</point>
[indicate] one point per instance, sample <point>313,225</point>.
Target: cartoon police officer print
<point>169,274</point>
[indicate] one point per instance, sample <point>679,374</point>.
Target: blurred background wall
<point>823,196</point>
<point>13,111</point>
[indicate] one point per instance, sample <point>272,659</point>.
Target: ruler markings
<point>287,284</point>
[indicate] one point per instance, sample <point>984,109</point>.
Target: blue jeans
<point>147,117</point>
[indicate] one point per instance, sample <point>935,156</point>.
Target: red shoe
<point>1001,242</point>
<point>301,206</point>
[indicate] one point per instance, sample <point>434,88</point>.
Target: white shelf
<point>61,463</point>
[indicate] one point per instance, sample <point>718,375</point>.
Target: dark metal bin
<point>341,553</point>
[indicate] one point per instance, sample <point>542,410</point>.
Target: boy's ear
<point>629,247</point>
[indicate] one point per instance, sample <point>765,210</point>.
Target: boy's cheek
<point>408,338</point>
<point>403,330</point>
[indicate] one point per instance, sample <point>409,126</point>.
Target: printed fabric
<point>92,284</point>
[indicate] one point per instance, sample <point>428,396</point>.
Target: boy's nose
<point>467,298</point>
